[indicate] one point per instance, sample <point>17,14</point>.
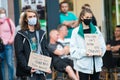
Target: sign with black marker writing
<point>39,62</point>
<point>92,44</point>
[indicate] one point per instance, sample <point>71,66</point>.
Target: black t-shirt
<point>115,43</point>
<point>87,31</point>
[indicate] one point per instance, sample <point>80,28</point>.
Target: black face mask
<point>87,21</point>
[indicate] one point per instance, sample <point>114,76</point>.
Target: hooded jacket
<point>22,51</point>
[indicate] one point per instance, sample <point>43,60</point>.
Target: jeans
<point>8,55</point>
<point>1,77</point>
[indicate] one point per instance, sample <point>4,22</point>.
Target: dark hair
<point>82,13</point>
<point>24,25</point>
<point>118,26</point>
<point>60,26</point>
<point>84,6</point>
<point>87,5</point>
<point>63,3</point>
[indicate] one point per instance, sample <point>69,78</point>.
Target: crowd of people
<point>67,45</point>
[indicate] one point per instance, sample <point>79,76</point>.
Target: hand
<point>115,48</point>
<point>89,54</point>
<point>49,71</point>
<point>10,42</point>
<point>66,49</point>
<point>108,47</point>
<point>33,70</point>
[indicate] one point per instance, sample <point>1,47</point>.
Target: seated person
<point>114,46</point>
<point>62,29</point>
<point>58,51</point>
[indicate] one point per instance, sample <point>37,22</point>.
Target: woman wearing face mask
<point>88,65</point>
<point>29,38</point>
<point>7,32</point>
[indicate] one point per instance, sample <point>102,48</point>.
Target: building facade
<point>106,12</point>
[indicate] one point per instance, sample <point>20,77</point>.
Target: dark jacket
<point>22,51</point>
<point>94,21</point>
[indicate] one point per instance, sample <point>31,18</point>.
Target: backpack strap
<point>8,21</point>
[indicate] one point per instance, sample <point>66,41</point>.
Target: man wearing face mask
<point>7,32</point>
<point>67,18</point>
<point>29,39</point>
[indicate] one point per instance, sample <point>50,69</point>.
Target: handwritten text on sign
<point>92,44</point>
<point>39,62</point>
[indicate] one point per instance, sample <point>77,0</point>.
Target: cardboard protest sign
<point>92,44</point>
<point>39,62</point>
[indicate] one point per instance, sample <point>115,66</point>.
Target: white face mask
<point>2,15</point>
<point>32,21</point>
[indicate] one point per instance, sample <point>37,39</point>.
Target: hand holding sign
<point>89,54</point>
<point>39,62</point>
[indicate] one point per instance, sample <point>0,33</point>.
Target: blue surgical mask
<point>32,21</point>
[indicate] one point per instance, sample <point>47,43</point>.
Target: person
<point>58,51</point>
<point>29,39</point>
<point>62,29</point>
<point>67,18</point>
<point>113,46</point>
<point>20,22</point>
<point>94,21</point>
<point>7,33</point>
<point>1,77</point>
<point>87,64</point>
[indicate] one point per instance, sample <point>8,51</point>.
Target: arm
<point>71,20</point>
<point>77,45</point>
<point>108,47</point>
<point>115,48</point>
<point>71,23</point>
<point>67,50</point>
<point>64,51</point>
<point>75,22</point>
<point>11,40</point>
<point>19,52</point>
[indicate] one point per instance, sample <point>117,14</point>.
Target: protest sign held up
<point>39,62</point>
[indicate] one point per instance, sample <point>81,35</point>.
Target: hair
<point>84,6</point>
<point>24,25</point>
<point>21,18</point>
<point>1,8</point>
<point>63,3</point>
<point>82,13</point>
<point>52,31</point>
<point>118,26</point>
<point>60,26</point>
